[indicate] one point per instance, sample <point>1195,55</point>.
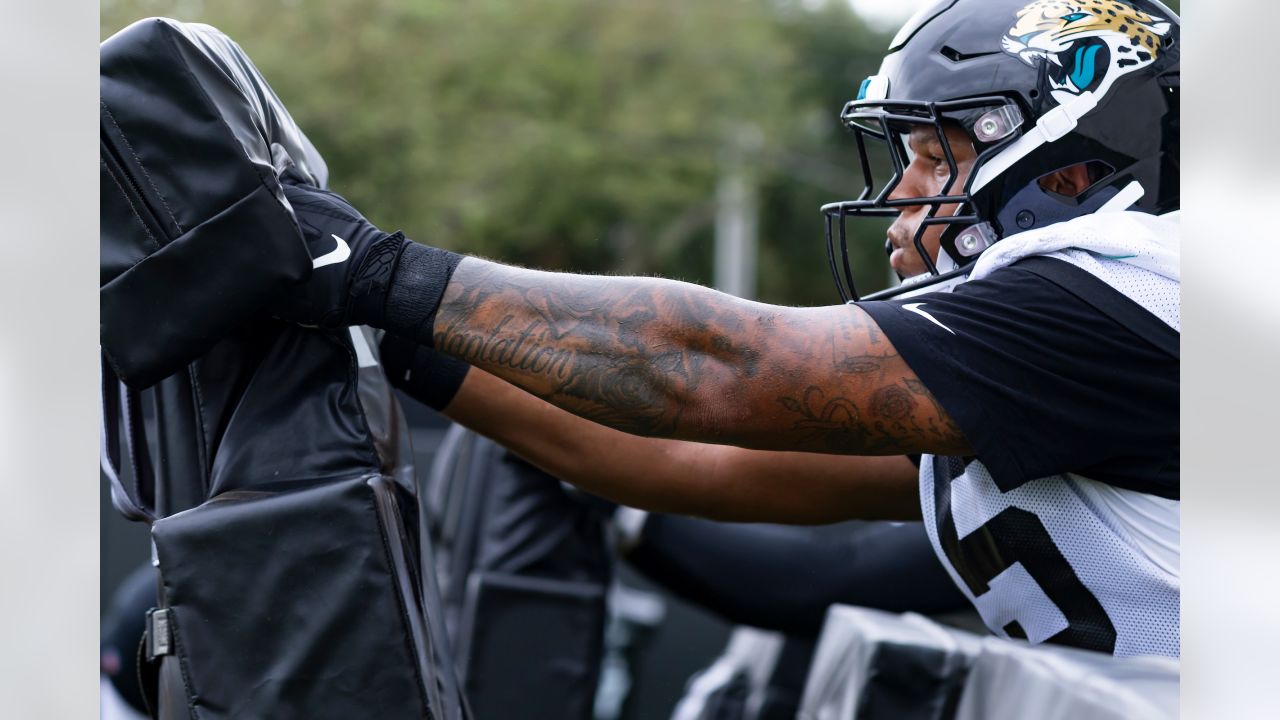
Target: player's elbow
<point>716,411</point>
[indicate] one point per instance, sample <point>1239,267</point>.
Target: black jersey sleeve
<point>785,578</point>
<point>1047,370</point>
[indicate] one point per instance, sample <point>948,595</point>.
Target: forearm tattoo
<point>668,359</point>
<point>884,410</point>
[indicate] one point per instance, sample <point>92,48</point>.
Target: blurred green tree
<point>568,134</point>
<point>582,135</point>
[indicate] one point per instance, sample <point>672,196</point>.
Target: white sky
<point>887,14</point>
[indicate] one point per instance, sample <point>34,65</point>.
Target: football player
<point>1028,362</point>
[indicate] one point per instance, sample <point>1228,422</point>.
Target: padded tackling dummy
<point>279,481</point>
<point>297,588</point>
<point>196,235</point>
<point>524,567</point>
<point>1013,681</point>
<point>758,677</point>
<point>873,665</point>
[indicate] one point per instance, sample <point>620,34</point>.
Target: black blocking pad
<point>195,232</point>
<point>510,619</point>
<point>298,603</point>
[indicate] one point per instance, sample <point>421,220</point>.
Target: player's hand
<point>353,262</point>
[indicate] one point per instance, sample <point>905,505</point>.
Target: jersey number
<point>1008,564</point>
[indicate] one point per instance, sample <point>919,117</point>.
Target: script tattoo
<point>596,346</point>
<point>668,359</point>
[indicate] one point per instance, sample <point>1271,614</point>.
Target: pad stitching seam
<point>142,167</point>
<point>132,208</point>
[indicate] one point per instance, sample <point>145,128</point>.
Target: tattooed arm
<point>719,482</point>
<point>667,359</point>
<point>650,357</point>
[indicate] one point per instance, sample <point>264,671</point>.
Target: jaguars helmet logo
<point>1087,43</point>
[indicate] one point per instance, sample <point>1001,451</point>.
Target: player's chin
<point>906,262</point>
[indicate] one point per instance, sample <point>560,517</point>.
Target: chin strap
<point>1124,199</point>
<point>945,263</point>
<point>1052,126</point>
<point>929,283</point>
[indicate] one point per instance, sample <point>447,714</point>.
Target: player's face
<point>926,176</point>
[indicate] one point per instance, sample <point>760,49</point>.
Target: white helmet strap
<point>1053,125</point>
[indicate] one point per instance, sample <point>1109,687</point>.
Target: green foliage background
<point>578,135</point>
<point>568,134</point>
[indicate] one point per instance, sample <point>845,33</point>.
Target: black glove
<point>427,376</point>
<point>357,268</point>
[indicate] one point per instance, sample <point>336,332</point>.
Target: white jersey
<point>1102,568</point>
<point>1064,527</point>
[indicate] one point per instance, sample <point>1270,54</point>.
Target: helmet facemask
<point>1080,103</point>
<point>990,123</point>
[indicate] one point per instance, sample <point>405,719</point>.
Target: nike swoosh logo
<point>915,308</point>
<point>339,254</point>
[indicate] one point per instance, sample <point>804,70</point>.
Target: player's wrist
<point>427,376</point>
<point>417,286</point>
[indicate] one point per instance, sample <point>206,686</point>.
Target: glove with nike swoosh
<point>356,265</point>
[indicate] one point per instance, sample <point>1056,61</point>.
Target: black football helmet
<point>1038,86</point>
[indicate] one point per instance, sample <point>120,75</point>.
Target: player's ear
<point>1068,182</point>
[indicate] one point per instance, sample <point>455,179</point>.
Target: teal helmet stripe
<point>862,91</point>
<point>1086,68</point>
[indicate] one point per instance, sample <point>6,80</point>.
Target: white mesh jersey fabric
<point>1139,596</point>
<point>1137,254</point>
<point>1151,522</point>
<point>1158,295</point>
<point>1109,549</point>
